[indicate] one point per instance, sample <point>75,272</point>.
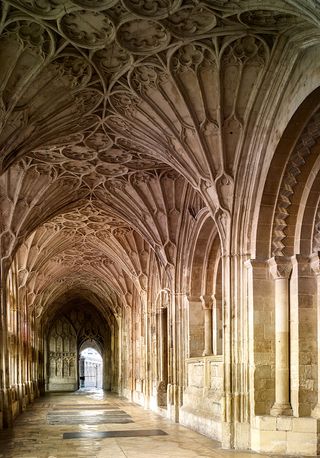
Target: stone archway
<point>90,365</point>
<point>78,327</point>
<point>62,353</point>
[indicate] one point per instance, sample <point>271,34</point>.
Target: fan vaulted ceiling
<point>115,115</point>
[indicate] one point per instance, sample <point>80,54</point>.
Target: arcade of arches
<point>160,197</point>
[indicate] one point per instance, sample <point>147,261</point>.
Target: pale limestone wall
<point>196,328</point>
<point>262,337</point>
<point>285,435</point>
<point>303,338</point>
<point>142,191</point>
<point>201,409</point>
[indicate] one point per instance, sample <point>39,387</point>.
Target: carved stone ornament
<point>152,8</point>
<point>44,8</point>
<point>142,36</point>
<point>95,4</point>
<point>315,263</point>
<point>294,168</point>
<point>267,18</point>
<point>280,267</point>
<point>112,113</point>
<point>192,21</point>
<point>138,141</point>
<point>89,29</point>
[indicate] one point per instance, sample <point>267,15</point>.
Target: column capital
<point>315,263</point>
<point>207,302</point>
<point>255,263</point>
<point>280,267</point>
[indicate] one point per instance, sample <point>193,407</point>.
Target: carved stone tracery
<point>125,127</point>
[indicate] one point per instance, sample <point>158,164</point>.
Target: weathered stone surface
<point>159,202</point>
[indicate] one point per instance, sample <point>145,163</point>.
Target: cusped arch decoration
<point>205,237</point>
<point>91,343</point>
<point>205,289</point>
<point>291,174</point>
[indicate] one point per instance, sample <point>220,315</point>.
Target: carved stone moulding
<point>98,141</point>
<point>132,146</point>
<point>47,9</point>
<point>78,167</point>
<point>124,102</point>
<point>142,36</point>
<point>80,153</point>
<point>147,76</point>
<point>78,217</point>
<point>145,163</point>
<point>115,156</point>
<point>71,139</point>
<point>316,232</point>
<point>88,29</point>
<point>112,170</point>
<point>79,123</point>
<point>112,59</point>
<point>73,70</point>
<point>95,4</point>
<point>191,21</point>
<point>268,18</point>
<point>152,8</point>
<point>36,39</point>
<point>46,155</point>
<point>192,57</point>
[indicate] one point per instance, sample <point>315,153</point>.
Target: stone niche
<point>201,410</point>
<point>62,357</point>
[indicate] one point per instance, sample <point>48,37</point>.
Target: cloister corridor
<point>65,425</point>
<point>159,228</point>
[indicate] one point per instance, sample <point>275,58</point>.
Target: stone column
<point>280,268</point>
<point>164,344</point>
<point>216,350</point>
<point>207,307</point>
<point>315,265</point>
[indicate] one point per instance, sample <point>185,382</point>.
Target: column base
<point>281,409</point>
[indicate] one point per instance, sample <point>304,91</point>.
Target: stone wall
<point>203,396</point>
<point>261,339</point>
<point>63,374</point>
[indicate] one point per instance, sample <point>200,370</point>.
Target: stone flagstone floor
<point>132,431</point>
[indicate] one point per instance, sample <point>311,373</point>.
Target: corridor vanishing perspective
<point>91,424</point>
<point>160,205</point>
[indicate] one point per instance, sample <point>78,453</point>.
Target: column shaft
<point>280,268</point>
<point>315,264</point>
<point>207,308</point>
<point>282,341</point>
<point>164,345</point>
<point>207,332</point>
